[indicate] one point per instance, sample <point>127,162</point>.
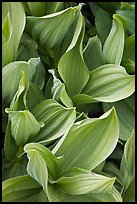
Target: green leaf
<point>37,8</point>
<point>126,114</point>
<point>93,53</point>
<point>24,126</point>
<point>129,194</point>
<point>129,48</point>
<point>129,65</point>
<point>37,168</point>
<point>109,83</point>
<point>17,23</point>
<point>57,119</point>
<point>81,181</point>
<point>10,82</point>
<point>34,96</point>
<point>103,24</point>
<point>127,166</point>
<point>113,196</point>
<point>127,11</point>
<point>59,91</point>
<point>71,66</point>
<point>84,140</point>
<point>114,44</point>
<point>10,147</point>
<point>47,30</point>
<point>27,48</point>
<point>46,157</point>
<point>21,188</point>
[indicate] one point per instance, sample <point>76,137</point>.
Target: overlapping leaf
<point>21,188</point>
<point>81,181</point>
<point>15,18</point>
<point>47,30</point>
<point>126,112</point>
<point>93,53</point>
<point>71,66</point>
<point>107,83</point>
<point>56,118</point>
<point>114,44</point>
<point>85,138</point>
<point>10,82</point>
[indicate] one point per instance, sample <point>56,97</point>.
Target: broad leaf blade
<point>80,181</point>
<point>57,119</point>
<point>126,114</point>
<point>85,138</point>
<point>114,44</point>
<point>109,83</point>
<point>18,20</point>
<point>19,189</point>
<point>71,66</point>
<point>93,53</point>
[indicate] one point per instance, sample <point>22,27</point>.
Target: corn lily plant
<point>68,102</point>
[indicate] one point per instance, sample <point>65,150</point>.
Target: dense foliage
<point>68,101</point>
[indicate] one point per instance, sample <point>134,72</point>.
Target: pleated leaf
<point>126,114</point>
<point>47,30</point>
<point>129,194</point>
<point>80,181</point>
<point>59,91</point>
<point>10,147</point>
<point>23,126</point>
<point>127,166</point>
<point>129,48</point>
<point>57,119</point>
<point>20,188</point>
<point>109,83</point>
<point>127,11</point>
<point>81,144</point>
<point>38,153</point>
<point>17,23</point>
<point>129,65</point>
<point>11,75</point>
<point>71,66</point>
<point>93,53</point>
<point>37,8</point>
<point>113,196</point>
<point>103,24</point>
<point>114,44</point>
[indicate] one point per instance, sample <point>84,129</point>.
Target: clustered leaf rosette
<point>68,102</point>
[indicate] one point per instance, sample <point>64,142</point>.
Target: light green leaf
<point>24,126</point>
<point>37,168</point>
<point>114,44</point>
<point>81,181</point>
<point>10,83</point>
<point>47,30</point>
<point>46,157</point>
<point>71,66</point>
<point>17,22</point>
<point>109,83</point>
<point>127,166</point>
<point>57,119</point>
<point>93,53</point>
<point>42,197</point>
<point>54,193</point>
<point>84,140</point>
<point>126,114</point>
<point>59,91</point>
<point>113,196</point>
<point>21,188</point>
